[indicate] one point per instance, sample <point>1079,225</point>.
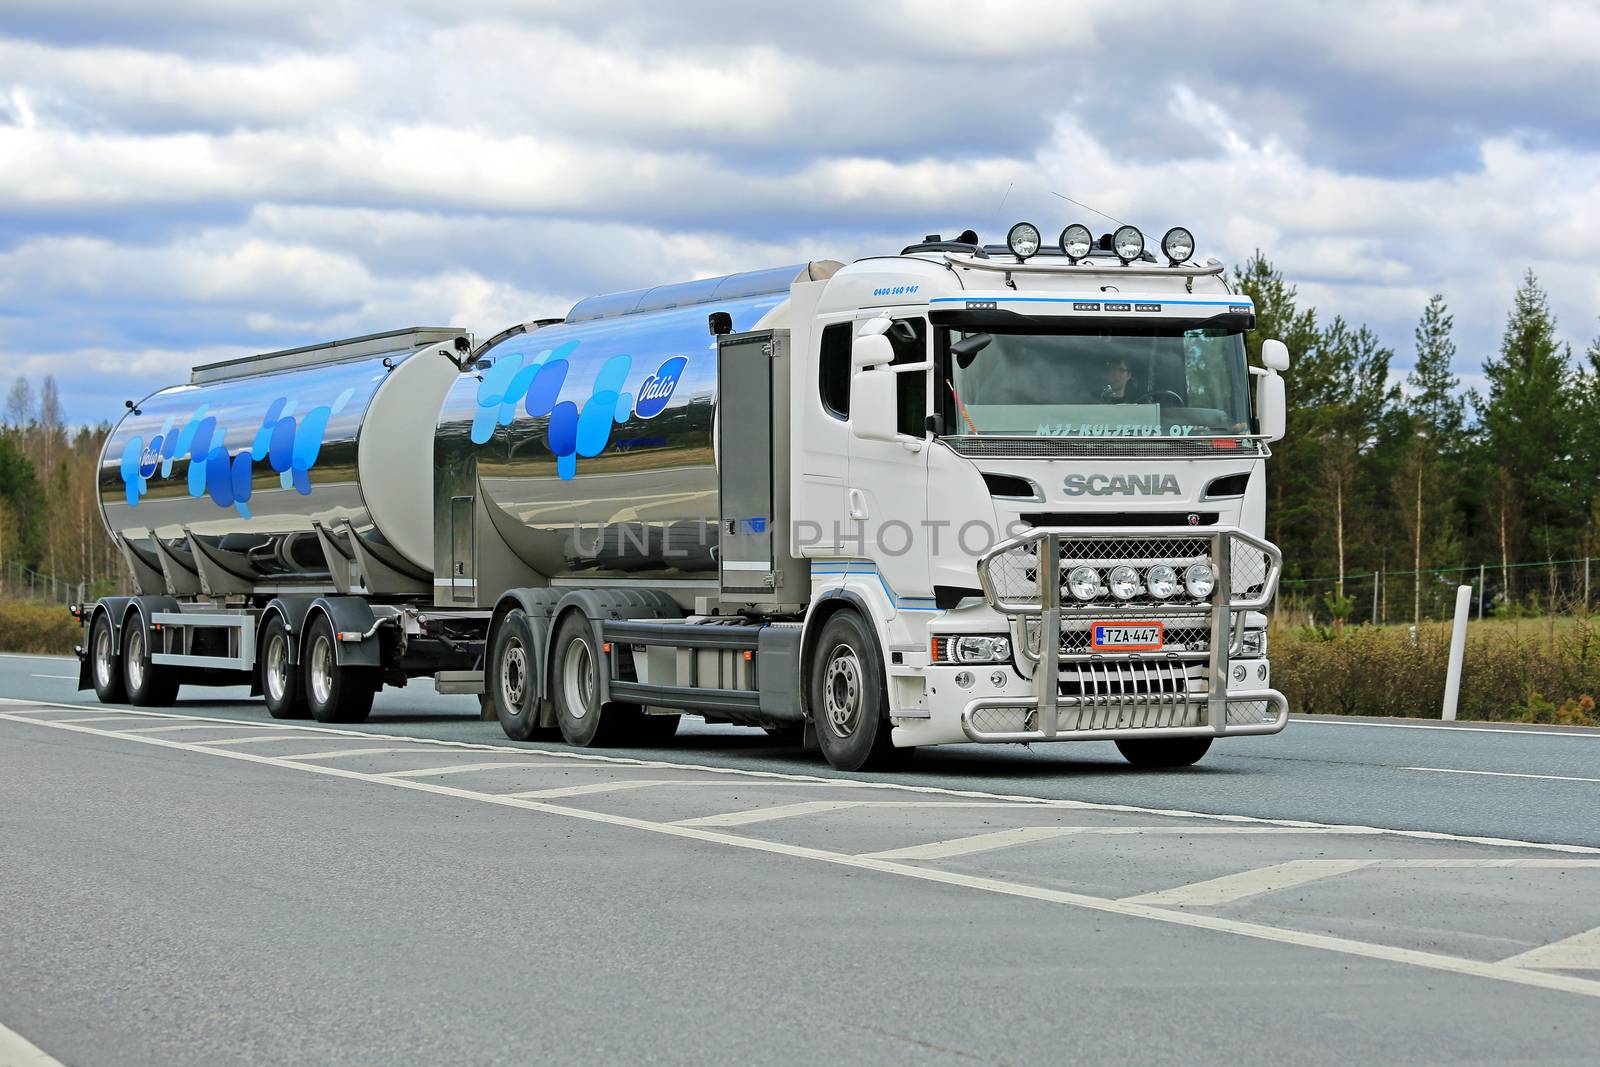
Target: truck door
<point>887,488</point>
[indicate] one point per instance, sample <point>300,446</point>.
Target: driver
<point>1119,383</point>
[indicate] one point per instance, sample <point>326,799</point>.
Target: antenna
<point>1003,198</point>
<point>1086,207</point>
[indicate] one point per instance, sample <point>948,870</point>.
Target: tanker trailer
<point>268,510</point>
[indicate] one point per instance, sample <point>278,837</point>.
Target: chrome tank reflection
<point>248,464</point>
<point>592,443</point>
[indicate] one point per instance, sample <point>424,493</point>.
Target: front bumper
<point>1185,691</point>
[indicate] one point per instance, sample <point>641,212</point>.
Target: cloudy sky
<point>195,179</point>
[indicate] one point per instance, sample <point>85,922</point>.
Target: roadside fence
<point>1517,590</point>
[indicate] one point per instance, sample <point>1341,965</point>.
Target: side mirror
<point>1272,409</point>
<point>873,350</point>
<point>873,410</point>
<point>1275,355</point>
<point>966,350</point>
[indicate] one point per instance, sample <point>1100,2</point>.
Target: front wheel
<point>280,679</point>
<point>104,667</point>
<point>148,685</point>
<point>1164,751</point>
<point>850,698</point>
<point>335,693</point>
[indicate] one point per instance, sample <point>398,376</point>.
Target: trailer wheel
<point>335,693</point>
<point>575,685</point>
<point>850,698</point>
<point>513,682</point>
<point>1164,751</point>
<point>147,685</point>
<point>104,666</point>
<point>280,678</point>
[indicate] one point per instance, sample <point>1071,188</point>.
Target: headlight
<point>1023,239</point>
<point>1177,244</point>
<point>1199,580</point>
<point>1124,582</point>
<point>1128,243</point>
<point>1161,580</point>
<point>1083,583</point>
<point>1076,241</point>
<point>1254,643</point>
<point>970,648</point>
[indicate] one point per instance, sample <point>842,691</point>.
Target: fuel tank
<point>587,447</point>
<point>307,467</point>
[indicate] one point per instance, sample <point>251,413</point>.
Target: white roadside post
<point>1458,652</point>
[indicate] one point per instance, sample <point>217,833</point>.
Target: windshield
<point>1110,380</point>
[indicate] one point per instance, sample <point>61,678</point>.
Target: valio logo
<point>657,389</point>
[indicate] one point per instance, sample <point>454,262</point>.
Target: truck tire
<point>849,697</point>
<point>575,687</point>
<point>281,686</point>
<point>1164,751</point>
<point>147,685</point>
<point>513,682</point>
<point>105,666</point>
<point>334,693</point>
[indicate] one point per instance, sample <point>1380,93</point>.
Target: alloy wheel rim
<point>103,660</point>
<point>277,667</point>
<point>577,678</point>
<point>514,675</point>
<point>136,658</point>
<point>322,670</point>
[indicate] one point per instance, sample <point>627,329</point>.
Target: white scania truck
<point>967,493</point>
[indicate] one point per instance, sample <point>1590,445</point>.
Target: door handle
<point>858,504</point>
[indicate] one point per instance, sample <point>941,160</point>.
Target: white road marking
<point>32,655</point>
<point>1232,887</point>
<point>120,717</point>
<point>1504,774</point>
<point>464,768</point>
<point>334,753</point>
<point>252,727</point>
<point>64,677</point>
<point>1580,952</point>
<point>1022,835</point>
<point>33,707</point>
<point>1574,731</point>
<point>778,811</point>
<point>18,1051</point>
<point>1235,887</point>
<point>600,787</point>
<point>248,740</point>
<point>1130,909</point>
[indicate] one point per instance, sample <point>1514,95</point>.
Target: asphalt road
<point>204,885</point>
<point>1362,772</point>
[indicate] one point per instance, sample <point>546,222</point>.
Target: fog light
<point>1199,580</point>
<point>964,679</point>
<point>1162,581</point>
<point>1239,673</point>
<point>1261,672</point>
<point>1124,582</point>
<point>997,679</point>
<point>1083,583</point>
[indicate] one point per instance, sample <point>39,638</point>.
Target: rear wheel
<point>849,697</point>
<point>333,692</point>
<point>148,685</point>
<point>280,679</point>
<point>1164,751</point>
<point>575,685</point>
<point>104,666</point>
<point>513,681</point>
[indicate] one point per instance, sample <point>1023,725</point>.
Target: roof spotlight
<point>1127,243</point>
<point>1177,244</point>
<point>1076,241</point>
<point>1023,239</point>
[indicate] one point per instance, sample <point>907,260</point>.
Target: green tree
<point>1435,437</point>
<point>21,504</point>
<point>1528,420</point>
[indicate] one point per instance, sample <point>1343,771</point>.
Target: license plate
<point>1127,636</point>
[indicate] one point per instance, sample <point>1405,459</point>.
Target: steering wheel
<point>1177,400</point>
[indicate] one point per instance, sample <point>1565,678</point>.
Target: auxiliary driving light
<point>1083,583</point>
<point>1177,244</point>
<point>1124,582</point>
<point>1162,581</point>
<point>1199,580</point>
<point>1127,243</point>
<point>964,679</point>
<point>1076,241</point>
<point>1023,239</point>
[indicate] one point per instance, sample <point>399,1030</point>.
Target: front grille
<point>1179,634</point>
<point>1119,679</point>
<point>980,447</point>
